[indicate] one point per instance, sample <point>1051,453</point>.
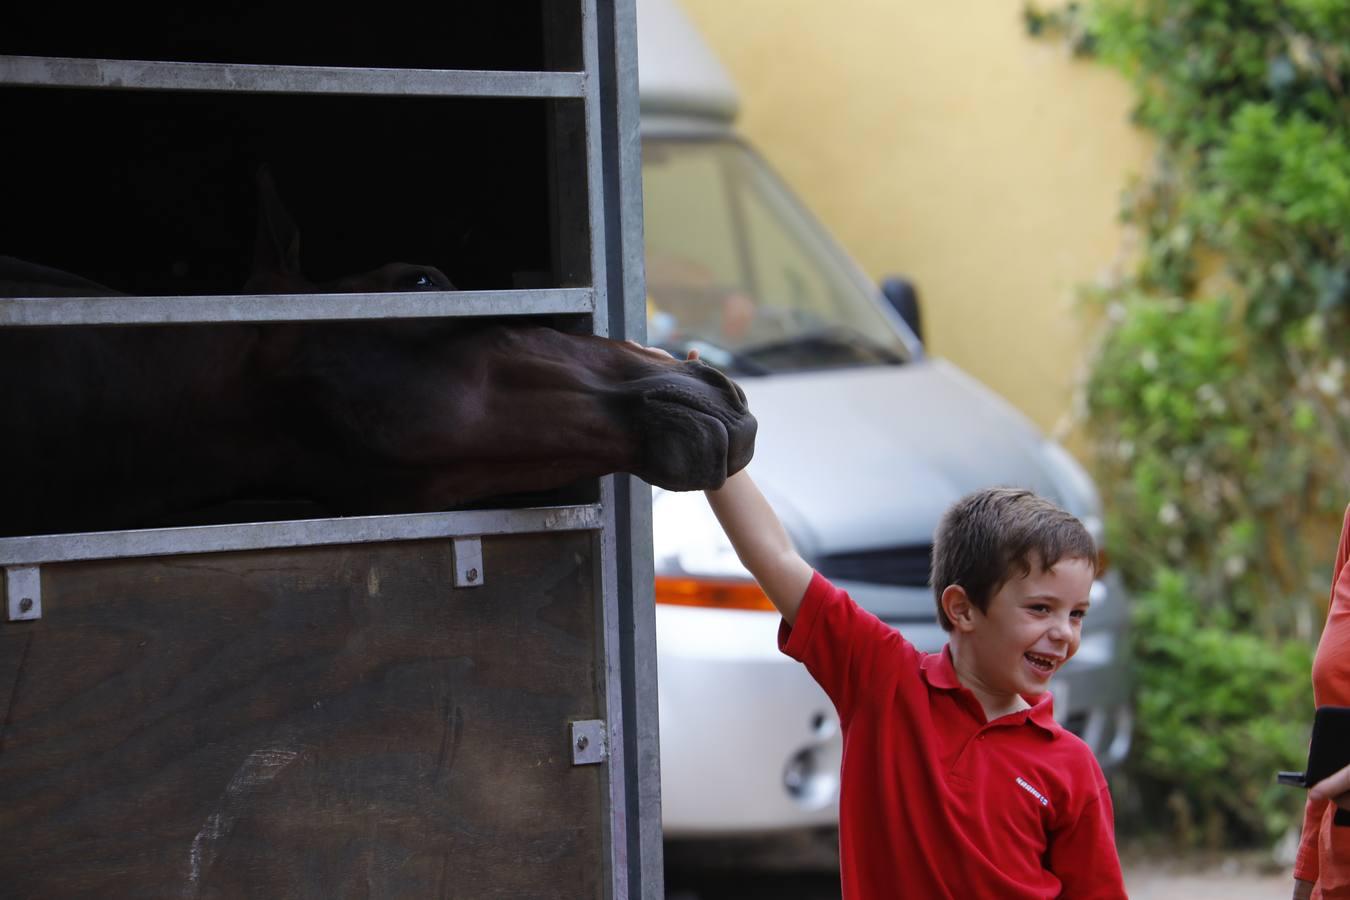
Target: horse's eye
<point>416,281</point>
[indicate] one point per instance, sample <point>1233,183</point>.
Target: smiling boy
<point>957,781</point>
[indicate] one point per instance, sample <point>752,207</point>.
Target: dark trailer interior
<point>153,192</point>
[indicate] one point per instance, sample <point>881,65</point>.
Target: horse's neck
<point>168,404</point>
<point>194,390</point>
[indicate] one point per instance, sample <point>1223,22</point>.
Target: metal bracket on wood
<point>23,589</point>
<point>468,553</point>
<point>588,742</point>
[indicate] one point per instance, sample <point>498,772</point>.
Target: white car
<point>863,442</point>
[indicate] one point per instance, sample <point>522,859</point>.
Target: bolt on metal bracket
<point>468,553</point>
<point>588,742</point>
<point>23,590</point>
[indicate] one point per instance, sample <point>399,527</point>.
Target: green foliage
<point>1215,722</point>
<point>1218,402</point>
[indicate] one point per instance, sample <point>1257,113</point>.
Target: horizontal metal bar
<point>123,74</point>
<point>41,549</point>
<point>120,310</point>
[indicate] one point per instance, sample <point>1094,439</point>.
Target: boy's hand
<point>693,354</point>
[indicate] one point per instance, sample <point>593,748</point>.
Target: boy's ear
<point>960,611</point>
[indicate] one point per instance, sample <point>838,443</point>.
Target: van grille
<point>906,566</point>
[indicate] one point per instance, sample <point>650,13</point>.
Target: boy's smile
<point>1033,625</point>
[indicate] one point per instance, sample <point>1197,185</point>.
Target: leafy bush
<point>1217,717</point>
<point>1217,403</point>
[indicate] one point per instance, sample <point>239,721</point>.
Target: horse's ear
<point>276,251</point>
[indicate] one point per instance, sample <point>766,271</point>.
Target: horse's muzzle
<point>696,427</point>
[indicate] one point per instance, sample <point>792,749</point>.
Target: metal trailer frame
<point>608,88</point>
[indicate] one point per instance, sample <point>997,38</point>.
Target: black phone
<point>1328,752</point>
<point>1329,749</point>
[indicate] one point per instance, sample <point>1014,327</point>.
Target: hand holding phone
<point>1335,787</point>
<point>1328,761</point>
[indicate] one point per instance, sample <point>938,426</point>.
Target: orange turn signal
<point>712,594</point>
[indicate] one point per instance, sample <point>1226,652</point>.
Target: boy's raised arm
<point>761,543</point>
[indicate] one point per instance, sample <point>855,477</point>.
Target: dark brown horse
<point>130,427</point>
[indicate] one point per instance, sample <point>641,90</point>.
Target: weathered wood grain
<point>331,722</point>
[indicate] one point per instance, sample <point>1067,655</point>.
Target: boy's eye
<point>1079,614</point>
<point>1040,607</point>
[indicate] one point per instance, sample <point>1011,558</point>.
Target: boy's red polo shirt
<point>935,802</point>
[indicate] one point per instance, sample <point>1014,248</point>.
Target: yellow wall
<point>937,140</point>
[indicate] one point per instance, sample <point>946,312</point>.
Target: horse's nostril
<point>728,387</point>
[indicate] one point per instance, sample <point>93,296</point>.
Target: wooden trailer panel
<point>322,722</point>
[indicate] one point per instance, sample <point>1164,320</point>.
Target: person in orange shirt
<point>1322,869</point>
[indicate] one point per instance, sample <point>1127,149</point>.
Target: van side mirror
<point>905,299</point>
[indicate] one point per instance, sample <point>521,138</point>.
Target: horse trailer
<point>260,698</point>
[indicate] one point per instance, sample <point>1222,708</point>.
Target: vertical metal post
<point>608,294</point>
<point>620,267</point>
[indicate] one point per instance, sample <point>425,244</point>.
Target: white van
<point>863,441</point>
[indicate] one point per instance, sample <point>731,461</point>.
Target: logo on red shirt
<point>1033,792</point>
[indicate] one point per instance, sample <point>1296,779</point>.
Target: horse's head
<point>361,417</point>
<point>454,412</point>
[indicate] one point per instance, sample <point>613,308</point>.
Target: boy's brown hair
<point>984,536</point>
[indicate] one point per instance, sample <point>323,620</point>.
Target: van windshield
<point>736,269</point>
